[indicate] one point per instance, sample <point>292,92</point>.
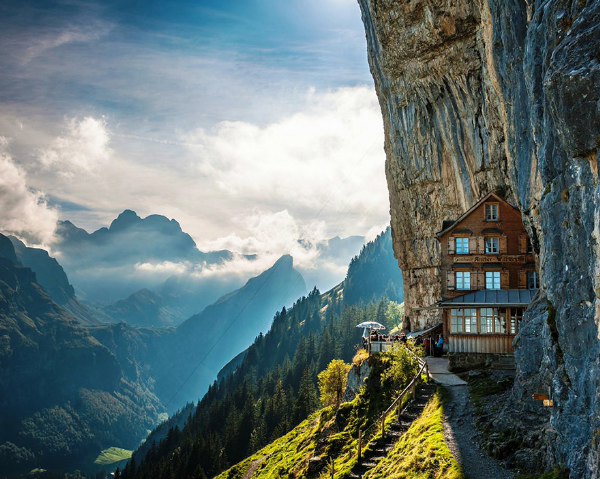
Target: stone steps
<point>380,448</point>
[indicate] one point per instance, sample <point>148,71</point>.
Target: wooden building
<point>489,277</point>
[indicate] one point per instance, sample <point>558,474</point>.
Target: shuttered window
<point>462,245</point>
<point>492,245</point>
<point>492,280</point>
<point>463,280</point>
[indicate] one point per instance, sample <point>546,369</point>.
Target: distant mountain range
<point>63,394</point>
<point>271,387</point>
<point>148,272</point>
<point>68,389</point>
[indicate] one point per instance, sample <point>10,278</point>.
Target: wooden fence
<point>365,436</point>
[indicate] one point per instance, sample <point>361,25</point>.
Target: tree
<point>332,382</point>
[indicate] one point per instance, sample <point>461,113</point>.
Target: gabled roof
<point>495,297</point>
<point>446,228</point>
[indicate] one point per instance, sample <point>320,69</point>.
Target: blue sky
<point>239,118</point>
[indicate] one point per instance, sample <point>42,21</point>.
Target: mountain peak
<point>7,249</point>
<point>286,261</point>
<point>124,220</point>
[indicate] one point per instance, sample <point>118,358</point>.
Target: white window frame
<point>492,280</point>
<point>492,245</point>
<point>491,211</point>
<point>461,245</point>
<point>533,280</point>
<point>456,321</point>
<point>462,280</point>
<point>487,318</point>
<point>470,321</point>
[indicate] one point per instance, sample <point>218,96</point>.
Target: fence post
<point>413,390</point>
<point>383,426</point>
<point>359,445</point>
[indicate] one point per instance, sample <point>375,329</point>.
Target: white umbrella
<point>373,325</point>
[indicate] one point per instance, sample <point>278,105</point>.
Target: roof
<point>498,297</point>
<point>448,225</point>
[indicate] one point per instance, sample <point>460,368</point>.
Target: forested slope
<point>274,388</point>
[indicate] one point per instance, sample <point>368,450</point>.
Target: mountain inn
<point>489,277</point>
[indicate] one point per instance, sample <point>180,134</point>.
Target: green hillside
<point>277,376</point>
<point>329,436</point>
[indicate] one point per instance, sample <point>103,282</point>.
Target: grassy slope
<point>421,453</point>
<point>112,455</point>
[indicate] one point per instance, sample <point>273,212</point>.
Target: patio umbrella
<point>371,326</point>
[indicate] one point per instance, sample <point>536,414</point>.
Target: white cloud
<point>24,211</point>
<point>326,159</point>
<point>313,174</point>
<point>49,40</point>
<point>84,148</point>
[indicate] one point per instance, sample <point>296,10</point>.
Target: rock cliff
<point>503,95</point>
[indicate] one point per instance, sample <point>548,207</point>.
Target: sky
<point>252,122</point>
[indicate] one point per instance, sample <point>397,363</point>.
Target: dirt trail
<point>462,438</point>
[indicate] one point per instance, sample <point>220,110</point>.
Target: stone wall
<point>503,95</point>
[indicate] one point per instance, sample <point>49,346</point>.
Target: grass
<point>421,453</point>
<point>112,455</point>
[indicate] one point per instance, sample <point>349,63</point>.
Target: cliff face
<point>503,95</point>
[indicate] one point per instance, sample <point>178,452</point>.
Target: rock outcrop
<point>503,95</point>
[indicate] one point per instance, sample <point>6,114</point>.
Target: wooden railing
<point>365,436</point>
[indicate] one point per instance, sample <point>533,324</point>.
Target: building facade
<point>489,277</point>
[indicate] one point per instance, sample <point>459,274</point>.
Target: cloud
<point>83,148</point>
<point>326,159</point>
<point>25,212</point>
<point>50,40</point>
<point>250,188</point>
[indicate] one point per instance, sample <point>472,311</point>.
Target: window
<point>516,315</point>
<point>463,280</point>
<point>456,320</point>
<point>492,280</point>
<point>462,245</point>
<point>463,320</point>
<point>500,322</point>
<point>487,318</point>
<point>532,280</point>
<point>491,212</point>
<point>471,321</point>
<point>492,245</point>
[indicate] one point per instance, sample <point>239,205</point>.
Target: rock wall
<point>503,95</point>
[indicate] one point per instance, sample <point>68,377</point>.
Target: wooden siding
<point>480,343</point>
<point>512,242</point>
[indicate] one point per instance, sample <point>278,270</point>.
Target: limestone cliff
<point>503,95</point>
